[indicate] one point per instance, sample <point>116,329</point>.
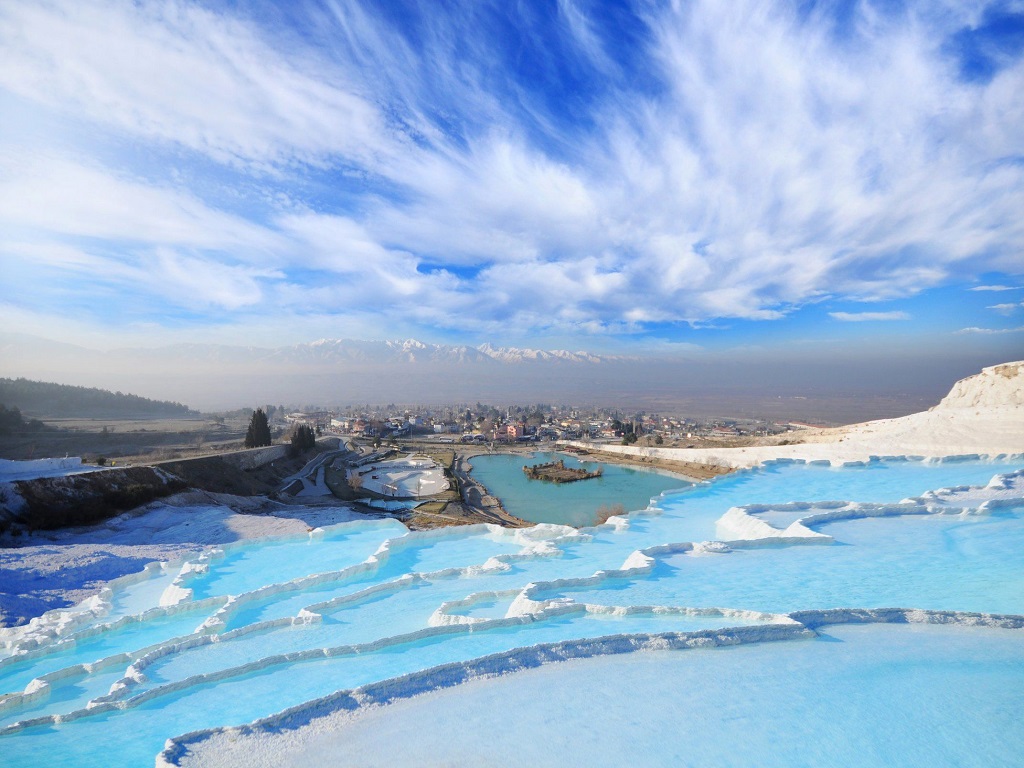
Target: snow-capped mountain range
<point>324,352</point>
<point>412,351</point>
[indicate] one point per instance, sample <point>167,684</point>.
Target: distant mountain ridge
<point>320,352</point>
<point>331,351</point>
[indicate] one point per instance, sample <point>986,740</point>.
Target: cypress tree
<point>303,439</point>
<point>258,434</point>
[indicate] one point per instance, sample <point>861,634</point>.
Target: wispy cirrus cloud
<point>483,169</point>
<point>48,196</point>
<point>990,331</point>
<point>183,73</point>
<point>1007,309</point>
<point>866,317</point>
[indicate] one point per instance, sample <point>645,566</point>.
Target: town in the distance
<point>406,461</point>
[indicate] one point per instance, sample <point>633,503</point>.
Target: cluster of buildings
<point>484,423</point>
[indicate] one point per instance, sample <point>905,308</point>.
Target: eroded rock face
<point>56,502</point>
<point>1000,386</point>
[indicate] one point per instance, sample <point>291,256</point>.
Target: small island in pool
<point>557,472</point>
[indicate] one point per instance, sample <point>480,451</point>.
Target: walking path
<point>477,497</point>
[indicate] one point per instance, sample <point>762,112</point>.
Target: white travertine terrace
<point>128,679</point>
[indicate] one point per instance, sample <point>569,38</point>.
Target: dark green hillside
<point>39,398</point>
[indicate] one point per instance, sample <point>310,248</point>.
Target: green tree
<point>258,434</point>
<point>9,419</point>
<point>303,439</point>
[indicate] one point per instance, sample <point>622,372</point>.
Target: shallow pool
<point>273,624</point>
<point>619,487</point>
<point>865,696</point>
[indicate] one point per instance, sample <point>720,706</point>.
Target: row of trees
<point>258,435</point>
<point>303,439</point>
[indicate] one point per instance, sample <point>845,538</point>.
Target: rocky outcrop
<point>999,386</point>
<point>47,503</point>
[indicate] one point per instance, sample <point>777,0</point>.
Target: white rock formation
<point>1000,386</point>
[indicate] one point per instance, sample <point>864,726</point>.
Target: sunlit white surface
<point>250,629</point>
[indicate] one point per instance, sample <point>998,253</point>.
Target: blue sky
<point>617,177</point>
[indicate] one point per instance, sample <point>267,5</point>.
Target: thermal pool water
<point>568,503</point>
<point>914,696</point>
<point>786,564</point>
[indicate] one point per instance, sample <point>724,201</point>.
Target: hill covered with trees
<point>40,398</point>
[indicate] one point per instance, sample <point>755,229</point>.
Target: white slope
<point>998,387</point>
<point>982,415</point>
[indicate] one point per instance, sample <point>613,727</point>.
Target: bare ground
<point>689,469</point>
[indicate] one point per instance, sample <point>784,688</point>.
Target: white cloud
<point>192,281</point>
<point>174,71</point>
<point>765,166</point>
<point>861,317</point>
<point>1006,309</point>
<point>994,288</point>
<point>990,331</point>
<point>56,196</point>
<point>807,170</point>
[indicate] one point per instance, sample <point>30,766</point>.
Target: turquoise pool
<point>253,629</point>
<point>569,503</point>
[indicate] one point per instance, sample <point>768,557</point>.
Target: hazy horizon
<point>816,387</point>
